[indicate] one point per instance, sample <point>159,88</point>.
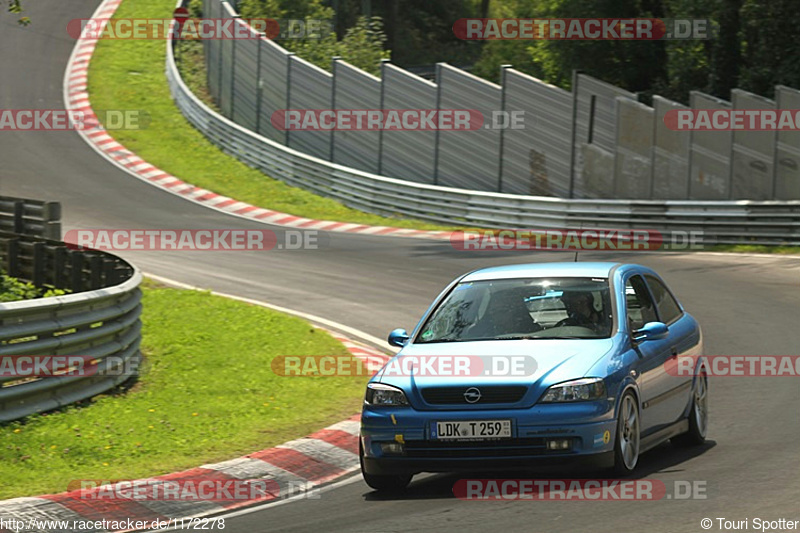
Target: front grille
<point>525,447</point>
<point>489,394</point>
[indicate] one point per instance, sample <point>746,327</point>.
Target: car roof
<point>542,270</point>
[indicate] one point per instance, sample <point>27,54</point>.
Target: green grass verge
<point>206,394</point>
<point>129,74</point>
<point>755,249</point>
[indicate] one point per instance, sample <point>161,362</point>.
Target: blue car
<point>521,365</point>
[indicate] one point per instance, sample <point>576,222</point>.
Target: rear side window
<point>668,308</point>
<point>639,307</point>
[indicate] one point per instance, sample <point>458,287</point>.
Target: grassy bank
<point>207,393</point>
<point>129,74</point>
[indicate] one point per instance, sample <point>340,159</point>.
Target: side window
<point>639,307</point>
<point>668,308</point>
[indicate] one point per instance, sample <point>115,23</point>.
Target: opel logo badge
<point>472,395</point>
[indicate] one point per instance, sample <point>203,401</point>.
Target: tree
<point>770,48</point>
<point>514,52</point>
<point>632,64</point>
<point>726,52</point>
<point>362,47</point>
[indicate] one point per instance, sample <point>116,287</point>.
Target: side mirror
<point>651,331</point>
<point>398,337</point>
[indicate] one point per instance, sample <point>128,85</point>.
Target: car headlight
<point>380,394</point>
<point>579,390</point>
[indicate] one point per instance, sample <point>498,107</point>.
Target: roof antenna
<point>576,256</point>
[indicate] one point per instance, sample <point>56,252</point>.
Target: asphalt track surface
<point>747,305</point>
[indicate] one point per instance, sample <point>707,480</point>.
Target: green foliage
<point>15,6</point>
<point>518,53</point>
<point>634,65</point>
<point>421,31</point>
<point>770,47</point>
<point>362,47</point>
<point>753,46</point>
<point>13,290</point>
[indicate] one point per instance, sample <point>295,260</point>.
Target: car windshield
<point>539,308</point>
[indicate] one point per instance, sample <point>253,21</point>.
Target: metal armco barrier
<point>595,141</point>
<point>101,324</point>
<point>32,217</point>
<point>768,222</point>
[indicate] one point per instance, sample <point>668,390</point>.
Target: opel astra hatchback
<point>543,363</point>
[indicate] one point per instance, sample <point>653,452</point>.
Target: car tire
<point>627,442</point>
<point>698,415</point>
<point>382,483</point>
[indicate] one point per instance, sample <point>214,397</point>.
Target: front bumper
<point>588,426</point>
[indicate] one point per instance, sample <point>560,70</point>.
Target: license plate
<point>472,429</point>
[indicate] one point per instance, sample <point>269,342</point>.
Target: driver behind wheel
<point>580,311</point>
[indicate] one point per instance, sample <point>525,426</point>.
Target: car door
<point>677,388</point>
<point>654,381</point>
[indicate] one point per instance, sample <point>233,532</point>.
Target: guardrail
<point>101,325</point>
<point>725,222</point>
<point>33,217</point>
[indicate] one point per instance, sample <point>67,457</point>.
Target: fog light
<point>558,444</point>
<point>392,448</point>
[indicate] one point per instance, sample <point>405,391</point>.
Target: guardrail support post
<point>76,271</point>
<point>39,264</point>
<point>19,216</point>
<point>95,272</point>
<point>60,267</point>
<point>12,260</point>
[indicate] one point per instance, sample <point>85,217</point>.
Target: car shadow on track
<point>664,458</point>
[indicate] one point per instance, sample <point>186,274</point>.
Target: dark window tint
<point>639,307</point>
<point>668,308</point>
